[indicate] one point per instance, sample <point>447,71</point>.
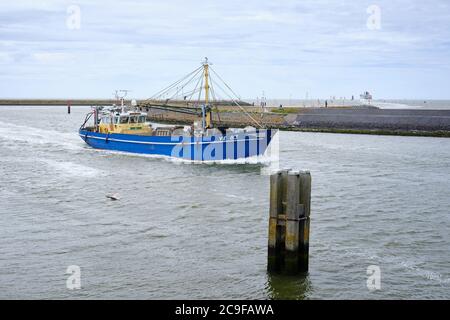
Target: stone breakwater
<point>340,120</point>
<point>381,119</point>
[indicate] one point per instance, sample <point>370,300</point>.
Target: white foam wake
<point>250,160</point>
<point>32,135</point>
<point>71,169</point>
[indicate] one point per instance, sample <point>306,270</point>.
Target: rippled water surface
<point>200,231</point>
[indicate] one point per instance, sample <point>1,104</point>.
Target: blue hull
<point>206,148</point>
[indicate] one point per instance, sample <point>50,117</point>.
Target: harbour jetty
<point>56,102</point>
<point>90,102</point>
<point>372,120</point>
<point>351,119</point>
<point>358,120</point>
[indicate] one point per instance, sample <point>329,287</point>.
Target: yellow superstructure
<point>125,123</point>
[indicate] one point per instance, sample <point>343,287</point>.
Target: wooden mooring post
<point>290,208</point>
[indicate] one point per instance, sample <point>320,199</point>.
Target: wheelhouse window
<point>141,119</point>
<point>123,120</point>
<point>133,119</point>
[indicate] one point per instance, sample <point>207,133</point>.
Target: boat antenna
<point>120,95</point>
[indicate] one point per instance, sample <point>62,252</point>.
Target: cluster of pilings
<point>290,207</point>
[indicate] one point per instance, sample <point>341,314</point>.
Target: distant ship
<point>366,96</point>
<point>125,128</point>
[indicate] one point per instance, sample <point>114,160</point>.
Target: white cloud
<point>145,44</point>
<point>52,57</point>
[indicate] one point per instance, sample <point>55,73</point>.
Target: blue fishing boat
<point>125,128</point>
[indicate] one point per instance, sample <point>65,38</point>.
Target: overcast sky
<point>286,48</point>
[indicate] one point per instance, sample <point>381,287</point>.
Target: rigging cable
<point>233,100</point>
<point>236,103</point>
<point>213,94</point>
<point>159,93</point>
<point>184,85</point>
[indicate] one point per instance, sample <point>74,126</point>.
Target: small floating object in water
<point>113,196</point>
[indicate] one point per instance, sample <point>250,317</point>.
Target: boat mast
<point>207,109</point>
<point>206,75</point>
